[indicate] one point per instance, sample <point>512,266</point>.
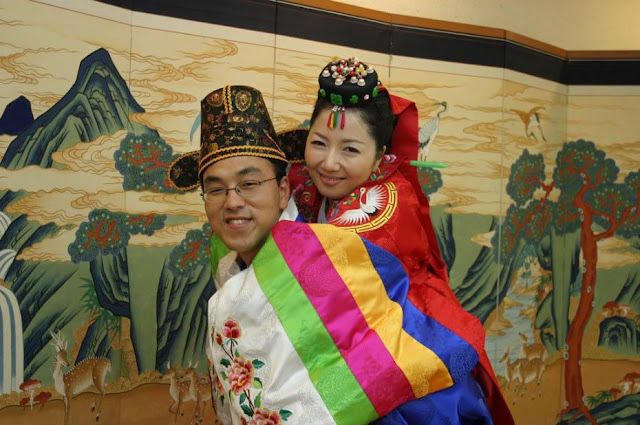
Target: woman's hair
<point>376,114</point>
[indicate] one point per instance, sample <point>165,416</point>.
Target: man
<point>237,130</point>
<point>311,324</point>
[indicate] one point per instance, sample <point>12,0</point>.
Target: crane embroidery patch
<point>373,208</point>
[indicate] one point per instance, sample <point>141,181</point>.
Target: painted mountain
<point>16,117</point>
<point>112,284</point>
<point>98,103</point>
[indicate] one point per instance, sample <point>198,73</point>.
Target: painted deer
<point>524,371</point>
<point>532,351</point>
<point>531,370</point>
<point>91,371</point>
<point>200,391</point>
<point>179,390</point>
<point>512,369</point>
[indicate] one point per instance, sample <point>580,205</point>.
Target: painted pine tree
<point>591,201</point>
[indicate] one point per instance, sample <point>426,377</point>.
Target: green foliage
<point>247,410</point>
<point>258,401</point>
<point>144,160</point>
<point>430,180</point>
<point>528,223</point>
<point>145,224</point>
<point>102,317</point>
<point>285,414</point>
<point>104,233</point>
<point>193,251</point>
<point>609,202</point>
<point>527,173</point>
<point>631,226</point>
<point>584,175</point>
<point>592,401</point>
<point>602,397</point>
<point>89,299</point>
<point>107,233</point>
<point>567,216</point>
<point>580,163</point>
<point>589,195</point>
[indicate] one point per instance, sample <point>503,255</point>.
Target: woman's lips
<point>330,181</point>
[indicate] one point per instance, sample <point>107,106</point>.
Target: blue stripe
<point>459,357</point>
<point>462,404</point>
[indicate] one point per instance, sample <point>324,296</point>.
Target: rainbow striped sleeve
<point>342,302</point>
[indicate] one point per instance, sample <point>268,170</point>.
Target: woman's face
<point>340,160</point>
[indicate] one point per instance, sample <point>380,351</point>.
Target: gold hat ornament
<point>234,122</point>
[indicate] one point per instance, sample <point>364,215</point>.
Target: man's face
<point>244,222</point>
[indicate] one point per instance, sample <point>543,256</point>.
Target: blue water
<point>497,345</point>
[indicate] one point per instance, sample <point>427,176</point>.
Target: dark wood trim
<point>346,25</point>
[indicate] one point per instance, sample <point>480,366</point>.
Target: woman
<point>352,170</point>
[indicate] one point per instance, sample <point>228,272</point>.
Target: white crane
<point>531,120</point>
<point>371,204</point>
<point>428,133</point>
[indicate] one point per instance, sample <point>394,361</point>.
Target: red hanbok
<point>391,211</point>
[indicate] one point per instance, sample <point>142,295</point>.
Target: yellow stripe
<point>422,367</point>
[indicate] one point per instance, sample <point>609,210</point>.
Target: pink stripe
<point>369,360</point>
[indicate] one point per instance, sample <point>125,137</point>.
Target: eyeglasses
<point>246,189</point>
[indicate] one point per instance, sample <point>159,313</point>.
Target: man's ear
<point>285,192</point>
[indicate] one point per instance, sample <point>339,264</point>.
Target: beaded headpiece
<point>345,83</point>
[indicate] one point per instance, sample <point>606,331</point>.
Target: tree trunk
<point>564,259</point>
<point>573,373</point>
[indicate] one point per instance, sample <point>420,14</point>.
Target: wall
<point>95,246</point>
<point>584,25</point>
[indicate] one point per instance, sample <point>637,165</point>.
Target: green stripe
<point>330,374</point>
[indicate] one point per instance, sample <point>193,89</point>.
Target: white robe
<point>285,383</point>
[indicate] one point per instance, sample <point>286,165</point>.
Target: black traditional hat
<point>348,82</point>
<point>235,122</point>
<point>293,143</point>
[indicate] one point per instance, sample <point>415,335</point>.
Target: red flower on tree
<point>232,329</point>
<point>265,417</point>
<point>240,375</point>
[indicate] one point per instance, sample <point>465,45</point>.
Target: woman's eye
<point>351,149</point>
<point>318,143</point>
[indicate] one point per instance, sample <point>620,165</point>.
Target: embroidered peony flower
<point>218,339</point>
<point>231,329</point>
<point>265,417</point>
<point>240,375</point>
